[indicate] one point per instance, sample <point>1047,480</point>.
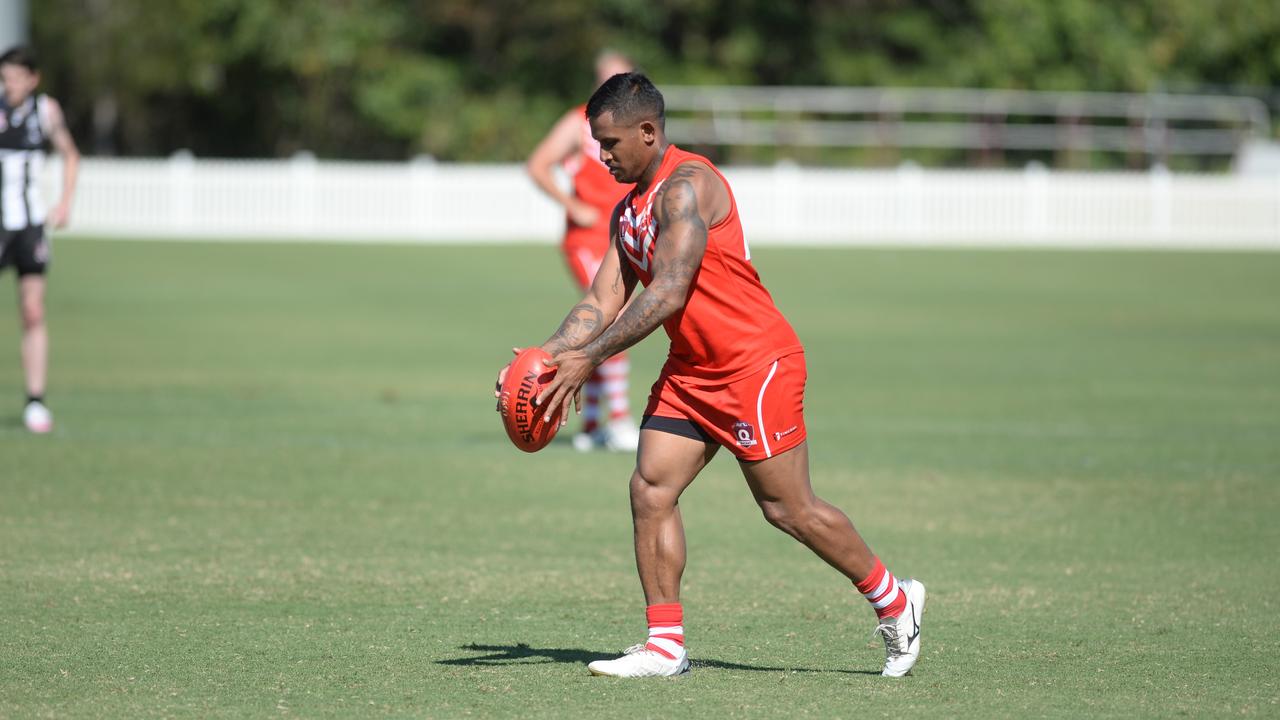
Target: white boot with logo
<point>638,661</point>
<point>902,634</point>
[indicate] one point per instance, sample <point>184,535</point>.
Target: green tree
<point>480,81</point>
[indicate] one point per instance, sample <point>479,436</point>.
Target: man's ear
<point>648,132</point>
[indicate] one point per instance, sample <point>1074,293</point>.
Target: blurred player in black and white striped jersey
<point>28,123</point>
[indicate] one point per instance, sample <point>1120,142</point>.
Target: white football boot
<point>37,417</point>
<point>618,436</point>
<point>902,634</point>
<point>637,662</point>
<point>584,442</point>
<point>622,435</point>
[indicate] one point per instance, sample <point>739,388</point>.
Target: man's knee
<point>649,493</point>
<point>32,313</point>
<point>799,520</point>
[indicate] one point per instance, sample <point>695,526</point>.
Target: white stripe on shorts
<point>764,434</point>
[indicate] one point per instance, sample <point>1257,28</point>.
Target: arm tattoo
<point>680,201</point>
<point>683,241</point>
<point>684,172</point>
<point>641,318</point>
<point>625,281</point>
<point>616,286</point>
<point>579,327</point>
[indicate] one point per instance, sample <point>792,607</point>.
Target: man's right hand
<point>502,375</point>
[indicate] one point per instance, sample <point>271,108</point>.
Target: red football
<point>526,377</point>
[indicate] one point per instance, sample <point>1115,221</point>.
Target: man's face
<point>626,149</point>
<point>19,83</point>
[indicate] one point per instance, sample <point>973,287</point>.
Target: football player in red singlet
<point>606,412</point>
<point>734,378</point>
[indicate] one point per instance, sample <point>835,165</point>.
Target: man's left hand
<point>60,215</point>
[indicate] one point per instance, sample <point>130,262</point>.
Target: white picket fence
<point>422,201</point>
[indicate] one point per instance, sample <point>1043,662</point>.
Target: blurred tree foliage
<point>481,81</point>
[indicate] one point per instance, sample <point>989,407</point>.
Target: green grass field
<point>277,487</point>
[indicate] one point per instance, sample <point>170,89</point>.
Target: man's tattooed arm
<point>581,326</point>
<point>609,291</point>
<point>676,261</point>
<point>622,283</point>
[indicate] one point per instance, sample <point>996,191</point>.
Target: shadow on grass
<point>523,654</point>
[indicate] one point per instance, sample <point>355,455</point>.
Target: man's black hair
<point>20,55</point>
<point>631,97</point>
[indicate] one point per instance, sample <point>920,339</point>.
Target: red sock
<point>880,588</point>
<point>613,383</point>
<point>666,629</point>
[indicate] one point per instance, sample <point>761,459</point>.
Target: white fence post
<point>422,170</point>
<point>1161,203</point>
<point>909,181</point>
<point>182,170</point>
<point>786,215</point>
<point>1275,228</point>
<point>1036,178</point>
<point>302,193</point>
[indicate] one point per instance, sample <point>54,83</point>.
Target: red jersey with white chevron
<point>729,327</point>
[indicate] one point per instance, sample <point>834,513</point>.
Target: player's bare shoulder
<point>55,124</point>
<point>694,172</point>
<point>694,183</point>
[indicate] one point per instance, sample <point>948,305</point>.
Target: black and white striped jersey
<point>24,132</point>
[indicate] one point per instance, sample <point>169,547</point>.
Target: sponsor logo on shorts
<point>779,435</point>
<point>42,250</point>
<point>745,433</point>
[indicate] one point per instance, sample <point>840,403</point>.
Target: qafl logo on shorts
<point>744,433</point>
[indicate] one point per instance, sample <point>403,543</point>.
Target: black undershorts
<point>27,249</point>
<point>676,426</point>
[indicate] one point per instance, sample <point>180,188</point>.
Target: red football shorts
<point>755,417</point>
<point>584,250</point>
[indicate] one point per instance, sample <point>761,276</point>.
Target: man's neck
<point>646,180</point>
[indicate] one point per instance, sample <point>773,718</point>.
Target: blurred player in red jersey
<point>734,377</point>
<point>606,412</point>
